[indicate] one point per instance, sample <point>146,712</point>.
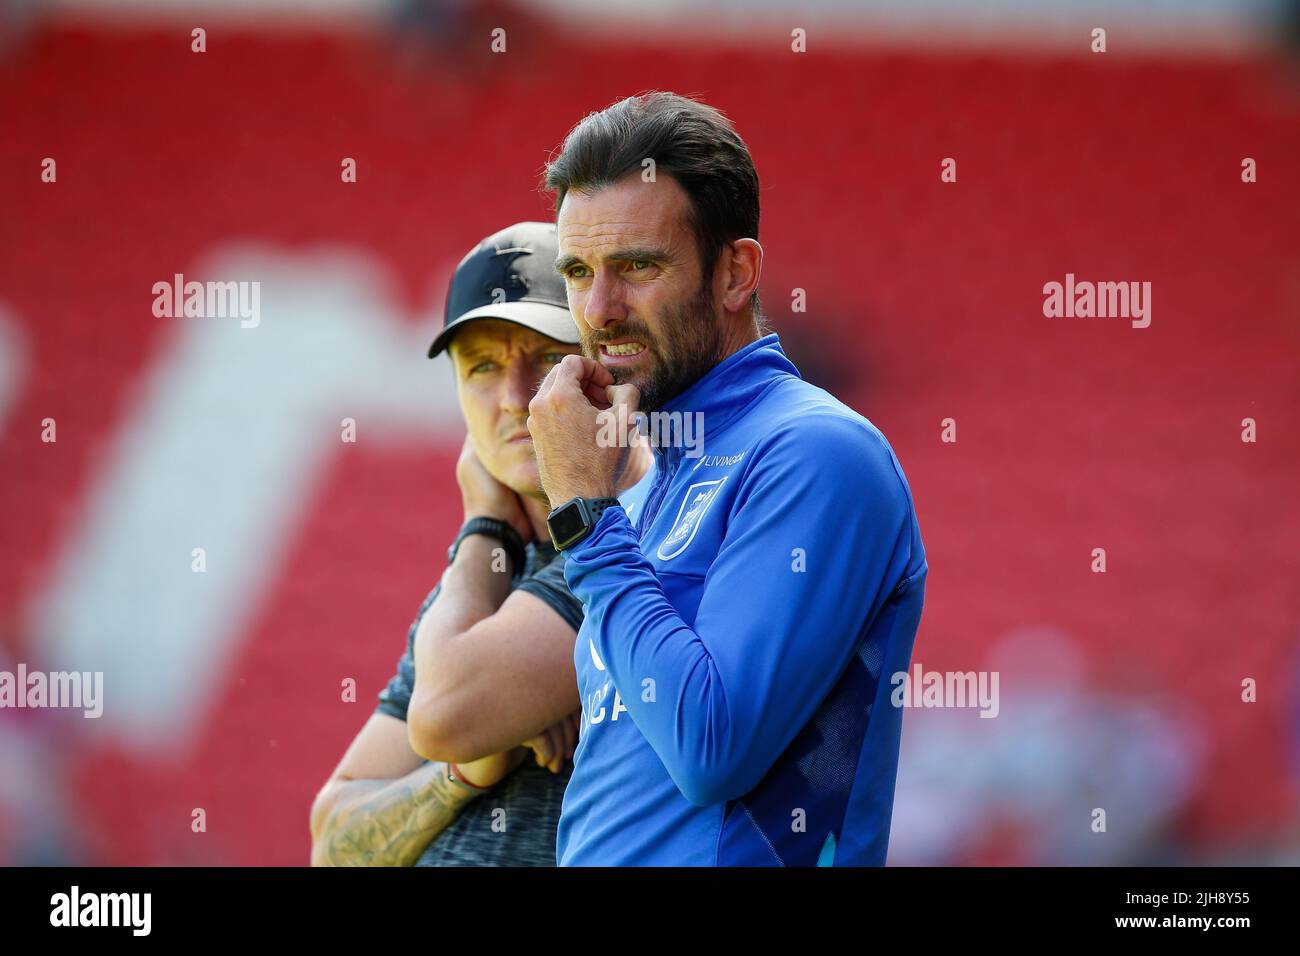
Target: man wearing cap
<point>487,675</point>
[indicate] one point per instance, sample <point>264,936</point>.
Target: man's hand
<point>550,748</point>
<point>583,430</point>
<point>488,771</point>
<point>485,497</point>
<point>556,743</point>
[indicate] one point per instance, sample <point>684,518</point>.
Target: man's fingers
<point>584,373</point>
<point>625,394</point>
<point>541,747</point>
<point>624,398</point>
<point>573,368</point>
<point>556,743</point>
<point>573,374</point>
<point>547,748</point>
<point>597,373</point>
<point>623,401</point>
<point>591,378</point>
<point>595,394</point>
<point>548,380</point>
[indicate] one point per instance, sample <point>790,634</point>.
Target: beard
<point>690,345</point>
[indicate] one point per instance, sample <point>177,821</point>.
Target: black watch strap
<point>596,505</point>
<point>500,530</point>
<point>561,520</point>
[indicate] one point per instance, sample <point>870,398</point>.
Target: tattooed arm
<point>383,804</point>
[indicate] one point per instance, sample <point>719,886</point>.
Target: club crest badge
<point>695,504</point>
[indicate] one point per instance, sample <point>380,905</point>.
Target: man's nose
<point>604,301</point>
<point>521,382</point>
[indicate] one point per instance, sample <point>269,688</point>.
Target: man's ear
<point>742,262</point>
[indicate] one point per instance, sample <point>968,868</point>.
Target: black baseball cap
<point>510,275</point>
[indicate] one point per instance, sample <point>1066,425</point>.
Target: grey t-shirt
<point>514,825</point>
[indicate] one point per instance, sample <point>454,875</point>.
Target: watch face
<point>567,524</point>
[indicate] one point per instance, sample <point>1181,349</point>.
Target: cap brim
<point>549,320</point>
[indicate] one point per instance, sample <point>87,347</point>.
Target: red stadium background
<point>924,303</point>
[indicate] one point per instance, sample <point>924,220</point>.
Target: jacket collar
<point>730,387</point>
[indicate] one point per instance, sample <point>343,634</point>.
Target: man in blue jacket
<point>747,602</point>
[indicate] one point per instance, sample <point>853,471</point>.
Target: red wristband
<point>455,774</point>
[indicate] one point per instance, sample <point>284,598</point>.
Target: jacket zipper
<point>655,499</point>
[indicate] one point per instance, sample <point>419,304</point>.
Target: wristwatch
<point>574,520</point>
<point>493,528</point>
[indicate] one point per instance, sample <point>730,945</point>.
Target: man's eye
<point>484,366</point>
<point>576,272</point>
<point>554,358</point>
<point>639,264</point>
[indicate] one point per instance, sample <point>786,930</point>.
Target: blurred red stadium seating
<point>925,300</point>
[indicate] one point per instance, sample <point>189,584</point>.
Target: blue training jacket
<point>744,612</point>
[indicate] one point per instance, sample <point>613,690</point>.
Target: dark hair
<point>688,140</point>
